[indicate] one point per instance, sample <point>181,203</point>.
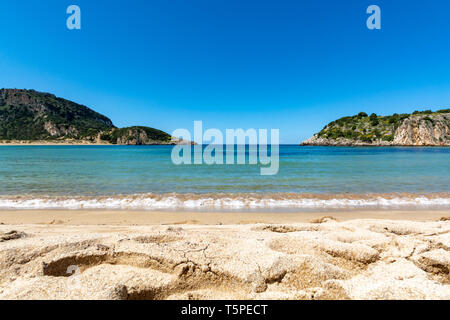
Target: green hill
<point>28,115</point>
<point>31,115</point>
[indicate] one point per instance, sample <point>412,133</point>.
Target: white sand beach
<point>138,255</point>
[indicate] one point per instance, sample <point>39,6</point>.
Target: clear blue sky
<point>293,65</point>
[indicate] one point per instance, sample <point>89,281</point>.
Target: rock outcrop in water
<point>28,115</point>
<point>424,128</point>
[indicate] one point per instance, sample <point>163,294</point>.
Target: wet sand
<point>122,217</point>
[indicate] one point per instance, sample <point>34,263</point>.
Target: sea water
<point>144,177</point>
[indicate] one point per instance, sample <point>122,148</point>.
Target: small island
<point>421,128</point>
<point>32,117</point>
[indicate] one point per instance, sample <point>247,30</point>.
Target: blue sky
<point>292,65</point>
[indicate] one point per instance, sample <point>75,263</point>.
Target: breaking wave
<point>232,201</point>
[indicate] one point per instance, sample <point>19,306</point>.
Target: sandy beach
<point>180,255</point>
<point>146,217</point>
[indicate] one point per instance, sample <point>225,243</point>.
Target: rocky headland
<point>422,128</point>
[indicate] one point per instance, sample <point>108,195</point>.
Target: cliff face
<point>423,131</point>
<point>28,115</point>
<point>419,129</point>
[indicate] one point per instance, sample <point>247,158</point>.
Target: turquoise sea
<point>144,177</point>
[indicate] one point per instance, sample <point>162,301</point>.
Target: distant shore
<point>53,143</point>
<point>103,143</point>
<point>67,143</point>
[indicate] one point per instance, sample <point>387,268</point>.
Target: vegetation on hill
<point>135,135</point>
<point>370,128</point>
<point>31,115</point>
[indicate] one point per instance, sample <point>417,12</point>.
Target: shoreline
<point>374,145</point>
<point>131,217</point>
<point>53,143</point>
<point>44,143</point>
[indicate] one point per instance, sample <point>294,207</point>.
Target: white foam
<point>155,202</point>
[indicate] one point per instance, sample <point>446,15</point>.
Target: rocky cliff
<point>28,115</point>
<point>422,128</point>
